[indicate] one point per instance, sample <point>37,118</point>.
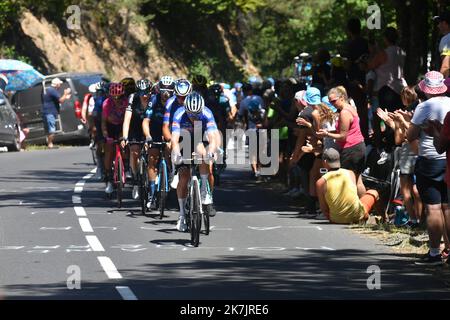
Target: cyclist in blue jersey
<point>99,97</point>
<point>152,127</point>
<point>138,103</point>
<point>195,115</point>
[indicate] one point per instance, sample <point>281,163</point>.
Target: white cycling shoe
<point>109,188</point>
<point>181,224</point>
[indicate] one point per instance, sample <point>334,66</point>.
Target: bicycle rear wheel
<point>120,182</point>
<point>195,214</point>
<point>162,189</point>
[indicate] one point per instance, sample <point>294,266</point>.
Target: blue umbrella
<point>20,75</point>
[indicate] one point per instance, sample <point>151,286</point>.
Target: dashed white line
<point>80,183</point>
<point>85,225</point>
<point>78,189</point>
<point>327,248</point>
<point>126,293</point>
<point>58,228</point>
<point>94,243</point>
<point>109,268</point>
<point>267,248</point>
<point>80,211</point>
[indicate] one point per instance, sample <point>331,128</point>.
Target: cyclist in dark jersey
<point>152,128</point>
<point>138,103</point>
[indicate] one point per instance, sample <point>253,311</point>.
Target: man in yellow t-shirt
<point>338,195</point>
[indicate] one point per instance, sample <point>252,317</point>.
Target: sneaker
<point>92,144</point>
<point>181,224</point>
<point>174,182</point>
<point>383,158</point>
<point>135,192</point>
<point>109,188</point>
<point>428,260</point>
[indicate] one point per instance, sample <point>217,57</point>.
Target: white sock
<point>435,252</point>
<point>182,204</point>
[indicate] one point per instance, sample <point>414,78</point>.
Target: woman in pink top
<point>348,135</point>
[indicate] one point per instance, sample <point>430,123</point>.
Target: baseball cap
<point>56,81</point>
<point>332,157</point>
<point>445,16</point>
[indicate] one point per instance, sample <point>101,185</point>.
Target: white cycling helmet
<point>194,103</point>
<point>166,81</point>
<point>183,87</point>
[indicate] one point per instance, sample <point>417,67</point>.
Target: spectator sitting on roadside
<point>337,192</point>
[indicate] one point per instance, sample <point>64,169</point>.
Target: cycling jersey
<point>155,112</point>
<point>220,110</point>
<point>182,121</point>
<point>172,106</point>
<point>137,115</point>
<point>112,113</point>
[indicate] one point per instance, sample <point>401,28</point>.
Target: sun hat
<point>433,83</point>
<point>312,96</point>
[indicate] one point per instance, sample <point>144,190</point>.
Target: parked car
<point>9,125</point>
<point>28,105</point>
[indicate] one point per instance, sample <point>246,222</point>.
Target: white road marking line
<point>85,225</point>
<point>94,243</point>
<point>267,248</point>
<point>53,228</point>
<point>263,228</point>
<point>126,293</point>
<point>109,268</point>
<point>88,176</point>
<point>12,247</point>
<point>219,229</point>
<point>34,212</point>
<point>130,247</point>
<point>80,183</point>
<point>319,228</point>
<point>76,199</point>
<point>327,248</point>
<point>93,170</point>
<point>80,211</point>
<point>46,247</point>
<point>75,248</point>
<point>230,249</point>
<point>112,228</point>
<point>78,189</point>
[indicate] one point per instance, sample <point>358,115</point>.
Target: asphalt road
<point>56,224</point>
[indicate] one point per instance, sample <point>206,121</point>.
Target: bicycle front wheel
<point>120,182</point>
